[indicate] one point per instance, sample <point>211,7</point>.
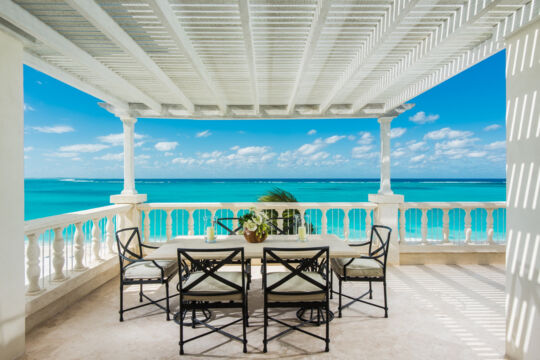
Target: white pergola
<point>261,59</point>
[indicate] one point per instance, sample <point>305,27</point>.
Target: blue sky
<point>456,130</point>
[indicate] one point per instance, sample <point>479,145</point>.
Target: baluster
<point>346,222</point>
<point>402,225</point>
<point>191,225</point>
<point>368,223</point>
<point>96,239</point>
<point>303,219</point>
<point>446,226</point>
<point>235,220</point>
<point>324,222</point>
<point>79,247</point>
<point>146,224</point>
<point>109,228</point>
<point>423,226</point>
<point>168,225</point>
<point>489,226</point>
<point>280,214</point>
<point>212,213</point>
<point>58,256</point>
<point>468,229</point>
<point>33,270</point>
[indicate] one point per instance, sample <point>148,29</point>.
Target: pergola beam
<point>98,17</point>
<point>57,73</point>
<point>317,24</point>
<point>250,54</point>
<point>458,24</point>
<point>41,31</point>
<point>385,29</point>
<point>166,14</point>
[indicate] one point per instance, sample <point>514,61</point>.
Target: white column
<point>12,289</point>
<point>129,155</point>
<point>385,188</point>
<point>522,193</point>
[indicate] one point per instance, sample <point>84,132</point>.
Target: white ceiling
<point>260,58</point>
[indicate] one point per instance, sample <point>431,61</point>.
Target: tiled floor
<point>436,312</point>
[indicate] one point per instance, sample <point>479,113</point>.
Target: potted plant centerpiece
<point>254,225</point>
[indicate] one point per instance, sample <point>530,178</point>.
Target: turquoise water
<point>46,197</point>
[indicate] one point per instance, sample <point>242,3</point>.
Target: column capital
<point>128,119</point>
<point>385,119</point>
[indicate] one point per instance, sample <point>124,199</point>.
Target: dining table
<point>338,248</point>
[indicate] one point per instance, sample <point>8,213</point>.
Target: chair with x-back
<point>205,285</point>
<point>135,270</point>
<point>368,268</point>
<point>303,284</point>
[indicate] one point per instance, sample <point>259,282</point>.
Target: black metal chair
<point>135,270</point>
<point>303,285</point>
<point>369,268</point>
<point>203,287</point>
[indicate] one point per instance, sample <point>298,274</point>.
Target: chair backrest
<point>125,241</point>
<point>379,242</point>
<point>209,261</point>
<point>220,222</point>
<point>297,261</point>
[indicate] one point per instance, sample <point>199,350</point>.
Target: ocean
<point>46,197</point>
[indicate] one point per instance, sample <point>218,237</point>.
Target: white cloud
<point>421,118</point>
<point>118,139</point>
<point>455,144</point>
<point>204,133</point>
<point>363,152</point>
<point>447,133</point>
<point>28,108</point>
<point>208,155</point>
<point>63,154</point>
<point>351,137</point>
<point>477,154</point>
<point>496,145</point>
<point>398,152</point>
<point>418,158</point>
<point>252,150</point>
<point>28,148</point>
<point>168,154</point>
<point>312,132</point>
<point>57,129</point>
<point>85,148</point>
<point>166,145</point>
<point>334,139</point>
<point>111,157</point>
<point>184,161</point>
<point>492,127</point>
<point>142,158</point>
<point>397,132</point>
<point>414,146</point>
<point>365,138</point>
<point>234,148</point>
<point>308,149</point>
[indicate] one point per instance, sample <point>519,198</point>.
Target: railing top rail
<point>454,205</point>
<point>50,222</point>
<point>257,205</point>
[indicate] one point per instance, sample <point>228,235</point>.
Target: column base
<point>386,198</point>
<point>128,199</point>
<point>387,214</point>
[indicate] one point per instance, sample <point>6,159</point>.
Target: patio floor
<point>436,312</point>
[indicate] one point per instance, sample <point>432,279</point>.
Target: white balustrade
<point>458,227</point>
<point>32,265</point>
<point>146,224</point>
<point>168,225</point>
<point>72,240</point>
<point>346,224</point>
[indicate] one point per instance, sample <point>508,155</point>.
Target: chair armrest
<point>358,244</point>
<point>149,246</point>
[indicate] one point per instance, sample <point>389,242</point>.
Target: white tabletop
<point>338,247</point>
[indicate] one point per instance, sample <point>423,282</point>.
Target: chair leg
<point>331,284</point>
<point>167,300</point>
<point>265,328</point>
<point>385,304</point>
<point>339,306</point>
<point>247,309</point>
<point>193,318</point>
<point>121,301</point>
<point>327,348</point>
<point>370,291</point>
<point>244,325</point>
<point>181,318</point>
<point>140,292</point>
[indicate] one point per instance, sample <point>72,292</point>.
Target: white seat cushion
<point>295,285</point>
<point>147,269</point>
<point>358,268</point>
<point>211,285</point>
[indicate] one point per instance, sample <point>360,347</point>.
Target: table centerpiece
<point>254,226</point>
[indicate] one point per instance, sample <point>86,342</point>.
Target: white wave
<point>78,180</point>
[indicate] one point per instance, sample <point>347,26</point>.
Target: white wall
<point>12,300</point>
<point>523,193</point>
